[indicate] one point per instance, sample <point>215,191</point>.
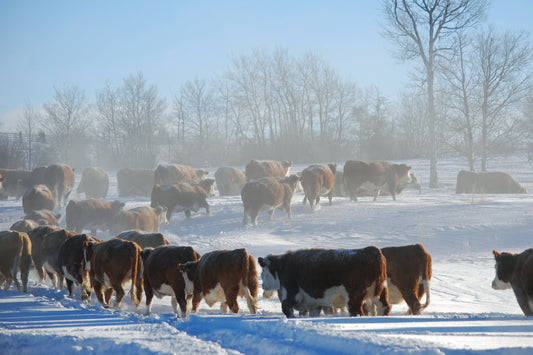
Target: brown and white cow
<point>267,194</point>
<point>516,271</point>
<point>37,237</point>
<point>413,185</point>
<point>24,225</point>
<point>38,197</point>
<point>44,217</point>
<point>145,240</point>
<point>50,246</point>
<point>183,196</point>
<point>257,169</point>
<point>317,180</point>
<point>135,182</point>
<point>91,214</point>
<point>174,173</point>
<point>15,255</point>
<point>229,181</point>
<point>60,180</point>
<point>147,219</point>
<point>493,182</point>
<point>222,276</point>
<point>163,278</point>
<point>312,279</point>
<point>15,182</point>
<point>111,264</point>
<point>409,270</point>
<point>375,176</point>
<point>70,265</point>
<point>94,182</point>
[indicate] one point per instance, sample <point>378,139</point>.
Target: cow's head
<point>269,275</point>
<point>505,264</point>
<point>209,186</point>
<point>161,213</point>
<point>146,253</point>
<point>201,174</point>
<point>88,252</point>
<point>188,270</point>
<point>116,207</point>
<point>292,180</point>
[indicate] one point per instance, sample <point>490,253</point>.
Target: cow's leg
<point>355,305</point>
<point>522,299</point>
<point>98,290</point>
<point>107,296</point>
<point>412,301</point>
<point>203,204</point>
<point>245,218</point>
<point>119,295</point>
<point>69,287</point>
<point>231,294</point>
<point>253,216</point>
<point>271,214</point>
<point>314,311</point>
<point>305,200</point>
<point>174,303</point>
<point>187,214</point>
<point>330,196</point>
<point>196,299</point>
<point>288,301</point>
<point>149,294</point>
<point>179,296</point>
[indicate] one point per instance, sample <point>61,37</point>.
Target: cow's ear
<point>263,261</point>
<point>496,254</point>
<point>182,267</point>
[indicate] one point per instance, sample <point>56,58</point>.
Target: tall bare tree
<point>108,114</point>
<point>505,76</point>
<point>423,29</point>
<point>27,125</point>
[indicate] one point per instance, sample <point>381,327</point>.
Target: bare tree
<point>27,126</point>
<point>505,77</point>
<point>67,118</point>
<point>108,114</point>
<point>422,29</point>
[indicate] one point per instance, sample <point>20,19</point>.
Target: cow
<point>222,276</point>
<point>318,179</point>
<point>37,237</point>
<point>340,189</point>
<point>145,240</point>
<point>257,169</point>
<point>183,196</point>
<point>15,254</point>
<point>111,264</point>
<point>267,194</point>
<point>24,225</point>
<point>493,182</point>
<point>229,181</point>
<point>60,180</point>
<point>135,182</point>
<point>38,197</point>
<point>312,279</point>
<point>516,271</point>
<point>409,271</point>
<point>94,182</point>
<point>163,278</point>
<point>364,190</point>
<point>91,214</point>
<point>70,265</point>
<point>15,182</point>
<point>44,217</point>
<point>174,173</point>
<point>50,246</point>
<point>147,219</point>
<point>375,176</point>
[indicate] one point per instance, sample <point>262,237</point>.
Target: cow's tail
<point>426,281</point>
<point>16,263</point>
<point>137,278</point>
<point>250,281</point>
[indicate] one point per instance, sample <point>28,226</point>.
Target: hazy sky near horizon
<point>47,44</point>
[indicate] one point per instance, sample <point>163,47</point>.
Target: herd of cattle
<point>362,282</point>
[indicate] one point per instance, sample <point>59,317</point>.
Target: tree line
<point>470,95</point>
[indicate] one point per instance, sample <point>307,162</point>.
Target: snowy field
<point>466,316</point>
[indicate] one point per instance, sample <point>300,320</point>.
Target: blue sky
<point>86,43</point>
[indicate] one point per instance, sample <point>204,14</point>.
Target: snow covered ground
<point>460,231</point>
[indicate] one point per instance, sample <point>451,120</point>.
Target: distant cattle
<point>516,271</point>
<point>409,271</point>
<point>60,180</point>
<point>311,279</point>
<point>183,196</point>
<point>111,264</point>
<point>15,255</point>
<point>257,169</point>
<point>94,182</point>
<point>37,237</point>
<point>317,180</point>
<point>266,195</point>
<point>229,181</point>
<point>50,247</point>
<point>15,182</point>
<point>147,219</point>
<point>413,185</point>
<point>375,176</point>
<point>163,278</point>
<point>174,173</point>
<point>222,276</point>
<point>135,182</point>
<point>44,217</point>
<point>92,214</point>
<point>494,182</point>
<point>24,225</point>
<point>70,264</point>
<point>38,197</point>
<point>145,240</point>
